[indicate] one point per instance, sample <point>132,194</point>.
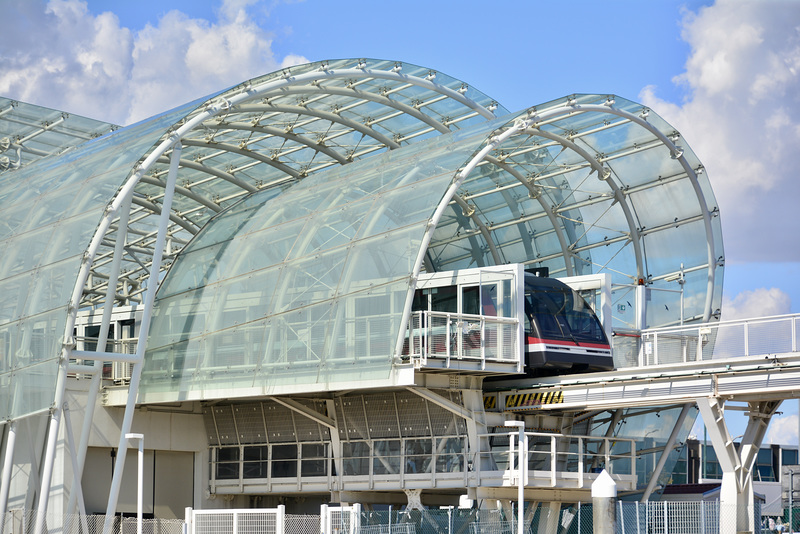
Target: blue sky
<point>726,74</point>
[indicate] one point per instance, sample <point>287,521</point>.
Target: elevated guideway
<point>752,360</point>
<point>762,377</point>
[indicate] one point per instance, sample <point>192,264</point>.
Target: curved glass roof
<point>304,198</point>
<point>28,132</point>
<point>51,210</point>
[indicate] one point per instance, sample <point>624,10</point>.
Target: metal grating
<point>250,423</point>
<point>280,423</point>
<point>413,414</point>
<point>211,430</point>
<point>352,419</point>
<point>226,427</point>
<point>382,412</point>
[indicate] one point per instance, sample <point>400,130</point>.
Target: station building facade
<point>235,280</point>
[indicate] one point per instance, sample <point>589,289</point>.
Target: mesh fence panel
<point>302,524</point>
<point>632,518</point>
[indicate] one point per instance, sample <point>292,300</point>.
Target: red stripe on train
<point>535,340</point>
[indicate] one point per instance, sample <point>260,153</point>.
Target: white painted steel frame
<point>530,126</point>
<point>121,204</point>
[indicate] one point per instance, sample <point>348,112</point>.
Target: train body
<point>560,332</point>
<point>561,329</point>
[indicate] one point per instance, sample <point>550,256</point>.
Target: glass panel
<point>355,457</point>
<point>315,460</point>
<point>303,286</point>
<point>418,454</point>
<point>387,457</point>
<point>284,461</point>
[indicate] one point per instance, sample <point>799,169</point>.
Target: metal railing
<point>117,371</point>
<point>722,340</point>
<point>654,517</point>
<point>553,460</point>
<point>451,337</point>
<point>558,460</point>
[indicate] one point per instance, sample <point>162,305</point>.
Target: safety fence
<point>663,517</point>
<point>451,338</point>
<point>728,339</point>
<point>25,522</point>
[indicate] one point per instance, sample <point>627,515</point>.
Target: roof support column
<point>147,312</point>
<point>8,464</point>
<point>736,492</point>
<point>94,386</point>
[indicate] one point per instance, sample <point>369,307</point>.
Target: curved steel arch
<point>173,141</point>
<point>675,152</point>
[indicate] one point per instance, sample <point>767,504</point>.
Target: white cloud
<point>62,56</point>
<point>742,119</point>
<point>758,303</point>
<point>782,430</point>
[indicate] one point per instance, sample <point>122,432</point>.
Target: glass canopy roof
<point>29,132</point>
<point>303,198</point>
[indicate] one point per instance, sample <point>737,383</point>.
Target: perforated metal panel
<point>280,423</point>
<point>382,415</point>
<point>211,430</point>
<point>226,428</point>
<point>250,423</point>
<point>413,414</point>
<point>352,420</point>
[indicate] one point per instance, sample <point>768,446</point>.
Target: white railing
<point>553,460</point>
<point>722,340</point>
<point>452,337</point>
<point>564,461</point>
<point>118,371</point>
<point>267,521</point>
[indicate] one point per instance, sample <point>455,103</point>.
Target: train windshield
<point>557,312</point>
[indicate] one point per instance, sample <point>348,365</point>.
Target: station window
<point>386,457</point>
<point>255,461</point>
<point>355,459</point>
<point>418,455</point>
<point>764,470</point>
<point>449,455</point>
<point>227,466</point>
<point>284,461</point>
<point>315,460</point>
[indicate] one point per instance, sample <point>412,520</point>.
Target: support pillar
<point>736,492</point>
<point>414,497</point>
<point>549,516</point>
<point>8,464</point>
<point>150,295</point>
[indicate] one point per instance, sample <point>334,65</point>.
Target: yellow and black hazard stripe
<point>525,400</point>
<point>490,402</point>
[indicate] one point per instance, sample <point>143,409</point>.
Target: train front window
<point>560,313</point>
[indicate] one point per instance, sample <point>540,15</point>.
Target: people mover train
<point>562,333</point>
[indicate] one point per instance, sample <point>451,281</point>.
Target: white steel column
<point>139,479</point>
<point>522,469</point>
<point>736,492</point>
<point>77,488</point>
<point>152,286</point>
<point>549,514</point>
<point>8,464</point>
<point>52,441</point>
<point>94,386</point>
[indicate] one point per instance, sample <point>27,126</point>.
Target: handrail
<point>454,337</point>
<point>725,339</point>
